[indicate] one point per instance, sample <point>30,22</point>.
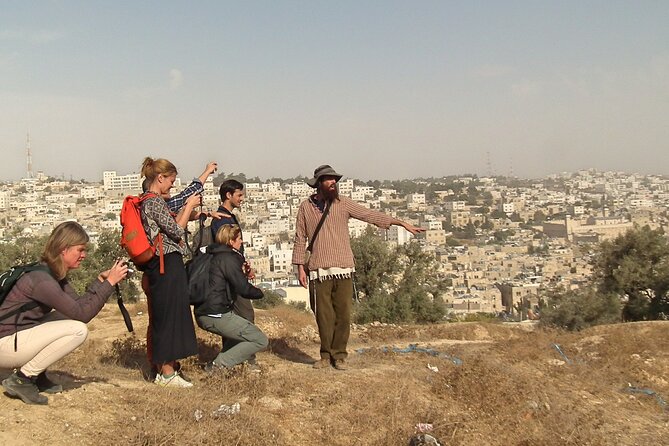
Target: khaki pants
<point>243,308</point>
<point>248,338</point>
<point>331,303</point>
<point>41,346</point>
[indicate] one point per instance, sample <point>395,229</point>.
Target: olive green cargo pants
<point>331,302</point>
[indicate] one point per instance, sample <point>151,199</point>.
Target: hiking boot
<point>322,364</point>
<point>173,380</point>
<point>340,364</point>
<point>45,385</point>
<point>212,367</point>
<point>253,368</point>
<point>23,388</point>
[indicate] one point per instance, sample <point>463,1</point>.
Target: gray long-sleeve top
<point>40,286</point>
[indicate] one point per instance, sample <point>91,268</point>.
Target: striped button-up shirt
<point>333,244</point>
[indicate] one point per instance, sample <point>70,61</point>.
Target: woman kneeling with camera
<point>227,280</point>
<point>36,338</point>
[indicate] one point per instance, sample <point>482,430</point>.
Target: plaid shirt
<point>333,243</point>
<point>176,202</point>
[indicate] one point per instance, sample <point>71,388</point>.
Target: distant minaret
<point>29,157</point>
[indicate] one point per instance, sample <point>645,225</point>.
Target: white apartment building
<point>345,187</point>
<point>280,261</point>
<point>367,190</point>
<point>280,212</point>
<point>272,187</point>
<point>507,208</point>
<point>577,210</point>
<point>273,247</point>
<point>112,181</point>
<point>274,226</point>
<point>416,199</point>
<point>275,204</point>
<point>436,237</point>
<point>356,227</point>
<point>91,193</point>
<point>113,206</point>
<point>641,203</point>
<point>300,189</point>
<point>258,241</point>
<point>398,235</point>
<point>5,199</point>
<point>455,206</point>
<point>434,225</point>
<point>209,186</point>
<point>358,196</point>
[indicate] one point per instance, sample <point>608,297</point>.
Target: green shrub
<point>578,309</point>
<point>302,306</point>
<point>271,299</point>
<point>480,317</point>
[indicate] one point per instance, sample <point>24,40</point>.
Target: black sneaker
<point>44,384</point>
<point>23,388</point>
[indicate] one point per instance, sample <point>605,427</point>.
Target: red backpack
<point>133,237</point>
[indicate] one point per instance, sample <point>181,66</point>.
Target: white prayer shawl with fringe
<point>322,274</point>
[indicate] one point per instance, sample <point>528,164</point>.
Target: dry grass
<point>511,389</point>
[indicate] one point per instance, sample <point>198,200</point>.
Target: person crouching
<point>227,280</point>
<point>36,338</point>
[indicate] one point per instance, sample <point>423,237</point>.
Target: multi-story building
<point>399,236</point>
<point>5,199</point>
<point>112,181</point>
<point>281,261</point>
<point>274,226</point>
<point>455,206</point>
<point>345,187</point>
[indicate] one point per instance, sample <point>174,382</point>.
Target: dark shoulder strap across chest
<point>319,226</point>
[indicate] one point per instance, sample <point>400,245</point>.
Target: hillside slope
<point>482,384</point>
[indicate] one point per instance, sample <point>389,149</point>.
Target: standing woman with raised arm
<point>35,338</point>
<point>172,330</point>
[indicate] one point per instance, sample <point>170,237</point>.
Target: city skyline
<point>379,90</point>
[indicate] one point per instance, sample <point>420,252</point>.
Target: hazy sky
<point>377,89</point>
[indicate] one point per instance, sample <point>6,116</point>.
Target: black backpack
<point>197,271</point>
<point>9,278</point>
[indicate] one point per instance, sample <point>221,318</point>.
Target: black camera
<point>130,270</point>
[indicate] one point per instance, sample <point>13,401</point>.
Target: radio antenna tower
<point>488,165</point>
<point>511,166</point>
<point>29,157</point>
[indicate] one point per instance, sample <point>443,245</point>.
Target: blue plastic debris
<point>650,392</point>
<point>559,350</point>
<point>413,348</point>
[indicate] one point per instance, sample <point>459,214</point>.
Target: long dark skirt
<point>172,330</point>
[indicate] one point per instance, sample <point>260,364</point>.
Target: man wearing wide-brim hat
<point>328,267</point>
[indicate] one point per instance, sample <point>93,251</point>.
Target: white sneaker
<point>172,381</point>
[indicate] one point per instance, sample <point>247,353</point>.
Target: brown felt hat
<point>323,171</point>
